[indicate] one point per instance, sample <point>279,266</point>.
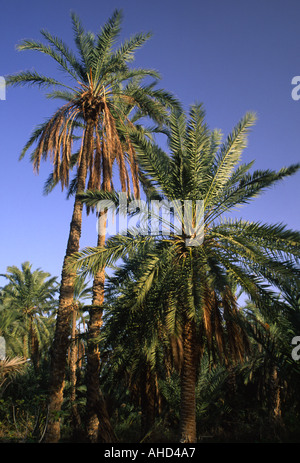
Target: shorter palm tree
<point>29,298</point>
<point>203,258</point>
<point>271,365</point>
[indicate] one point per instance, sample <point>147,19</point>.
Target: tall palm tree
<point>253,256</point>
<point>92,112</point>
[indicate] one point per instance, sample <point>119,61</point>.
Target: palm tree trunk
<point>75,417</point>
<point>148,399</point>
<point>62,332</point>
<point>188,385</point>
<point>98,426</point>
<point>34,348</point>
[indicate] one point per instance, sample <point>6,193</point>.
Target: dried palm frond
<point>9,367</point>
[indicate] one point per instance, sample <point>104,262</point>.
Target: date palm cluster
<point>185,295</point>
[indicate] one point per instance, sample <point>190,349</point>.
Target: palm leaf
<point>91,259</point>
<point>229,156</point>
<point>242,187</point>
<point>32,78</point>
<point>85,45</point>
<point>58,57</point>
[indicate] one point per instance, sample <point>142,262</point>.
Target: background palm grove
<point>144,337</point>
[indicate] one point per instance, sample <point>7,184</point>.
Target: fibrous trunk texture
<point>188,385</point>
<point>63,321</point>
<point>75,416</point>
<point>98,427</point>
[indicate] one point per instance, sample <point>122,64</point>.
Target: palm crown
<point>233,252</point>
<point>29,299</point>
<point>202,167</point>
<point>105,91</point>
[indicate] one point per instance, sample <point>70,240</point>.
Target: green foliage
<point>247,382</point>
<point>164,282</point>
<point>27,310</point>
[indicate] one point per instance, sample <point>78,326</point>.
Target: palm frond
<point>153,161</point>
<point>109,33</point>
<point>229,155</point>
<point>64,50</point>
<point>243,187</point>
<point>85,45</point>
<point>199,152</point>
<point>9,366</point>
<point>28,44</point>
<point>32,78</point>
<point>91,259</point>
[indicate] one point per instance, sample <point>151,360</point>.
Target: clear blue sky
<point>232,55</point>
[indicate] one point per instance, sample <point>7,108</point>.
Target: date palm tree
<point>30,297</point>
<point>204,255</point>
<point>92,113</point>
<point>271,363</point>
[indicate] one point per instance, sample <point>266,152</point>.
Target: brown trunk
<point>76,421</point>
<point>148,399</point>
<point>275,396</point>
<point>62,331</point>
<point>34,349</point>
<point>188,385</point>
<point>98,427</point>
